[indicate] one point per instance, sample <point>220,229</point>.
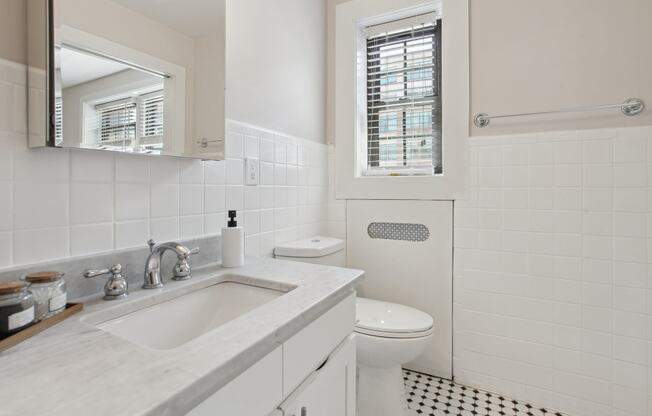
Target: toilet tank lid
<point>317,246</point>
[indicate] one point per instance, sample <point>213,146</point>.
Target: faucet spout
<point>152,276</point>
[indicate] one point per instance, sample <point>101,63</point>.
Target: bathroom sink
<point>175,322</point>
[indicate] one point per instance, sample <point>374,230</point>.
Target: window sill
<point>396,174</point>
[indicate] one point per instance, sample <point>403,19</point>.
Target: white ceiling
<point>190,17</point>
<point>78,67</point>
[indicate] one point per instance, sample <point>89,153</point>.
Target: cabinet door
<point>309,347</point>
<point>330,390</point>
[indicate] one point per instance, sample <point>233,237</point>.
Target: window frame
<point>351,18</point>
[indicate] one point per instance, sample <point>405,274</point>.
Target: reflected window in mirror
<point>133,121</point>
<point>122,107</point>
<point>157,89</point>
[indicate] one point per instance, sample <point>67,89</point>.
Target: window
<point>404,128</point>
<point>131,121</point>
<point>401,162</point>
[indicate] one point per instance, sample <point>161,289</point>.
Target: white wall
<point>553,299</point>
<point>414,273</point>
<point>61,203</point>
<point>540,55</point>
<point>99,17</point>
<point>553,294</point>
<point>276,65</point>
<point>138,33</point>
<point>13,15</point>
<point>553,291</point>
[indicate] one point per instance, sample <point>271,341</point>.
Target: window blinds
<point>152,115</point>
<point>404,97</point>
<point>58,120</point>
<point>117,121</point>
<point>132,120</point>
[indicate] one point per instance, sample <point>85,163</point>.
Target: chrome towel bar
<point>630,107</point>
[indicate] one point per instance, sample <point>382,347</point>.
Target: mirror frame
<point>42,84</point>
<point>40,77</point>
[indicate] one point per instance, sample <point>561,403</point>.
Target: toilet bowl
<point>388,335</point>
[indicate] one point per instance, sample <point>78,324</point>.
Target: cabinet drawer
<point>305,351</point>
<point>252,393</point>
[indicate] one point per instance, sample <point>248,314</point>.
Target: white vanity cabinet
<point>330,390</point>
<point>311,374</point>
<point>254,392</point>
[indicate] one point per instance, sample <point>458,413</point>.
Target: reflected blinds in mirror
<point>132,121</point>
<point>404,97</point>
<point>151,115</point>
<point>117,121</point>
<point>58,121</point>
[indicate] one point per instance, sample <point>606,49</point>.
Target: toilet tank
<point>319,249</point>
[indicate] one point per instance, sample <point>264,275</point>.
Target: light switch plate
<point>251,171</point>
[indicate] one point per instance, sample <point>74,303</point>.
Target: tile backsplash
<point>553,291</point>
<point>63,203</point>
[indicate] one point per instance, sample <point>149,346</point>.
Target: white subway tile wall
<point>59,203</point>
<point>553,284</point>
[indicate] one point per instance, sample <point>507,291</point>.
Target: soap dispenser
<point>232,243</point>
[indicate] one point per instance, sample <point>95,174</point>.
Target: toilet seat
<point>391,320</point>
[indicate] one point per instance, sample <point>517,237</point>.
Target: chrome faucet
<point>182,270</point>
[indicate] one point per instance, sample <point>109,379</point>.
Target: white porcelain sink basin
<point>175,322</point>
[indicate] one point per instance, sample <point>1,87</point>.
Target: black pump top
<point>232,222</point>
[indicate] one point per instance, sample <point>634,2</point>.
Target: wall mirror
<point>133,76</point>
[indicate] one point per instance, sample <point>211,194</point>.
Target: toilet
<point>388,335</point>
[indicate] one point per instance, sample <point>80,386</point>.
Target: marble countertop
<point>74,368</point>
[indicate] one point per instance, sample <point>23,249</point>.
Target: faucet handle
<point>182,268</point>
<point>116,287</point>
<point>114,270</point>
<point>190,253</point>
<point>151,243</point>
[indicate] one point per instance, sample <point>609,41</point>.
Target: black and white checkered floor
<point>433,396</point>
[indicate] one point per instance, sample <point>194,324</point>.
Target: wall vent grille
<point>398,231</point>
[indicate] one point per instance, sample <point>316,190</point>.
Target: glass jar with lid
<point>16,307</point>
<point>49,290</point>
